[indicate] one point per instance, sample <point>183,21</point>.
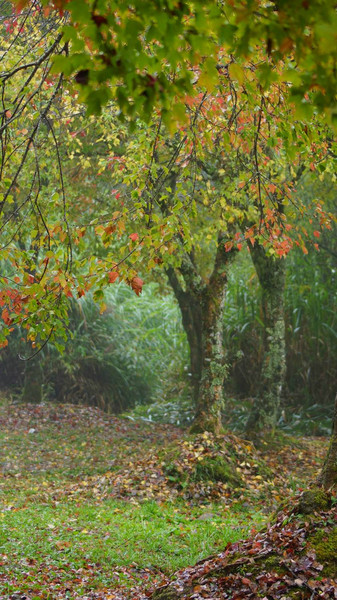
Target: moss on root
<point>312,501</point>
<point>325,545</point>
<point>220,465</point>
<point>209,469</point>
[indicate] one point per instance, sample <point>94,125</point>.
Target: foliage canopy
<point>218,148</point>
<point>154,50</point>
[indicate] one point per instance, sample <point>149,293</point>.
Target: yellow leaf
<point>236,72</point>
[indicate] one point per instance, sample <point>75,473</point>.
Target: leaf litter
<point>57,452</point>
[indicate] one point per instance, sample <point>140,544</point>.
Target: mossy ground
<point>324,544</point>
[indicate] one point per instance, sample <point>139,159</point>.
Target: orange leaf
<point>112,276</point>
<point>6,317</point>
<point>137,285</point>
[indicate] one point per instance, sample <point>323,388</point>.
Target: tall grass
<point>128,355</point>
<point>125,356</point>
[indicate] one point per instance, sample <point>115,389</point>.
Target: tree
<point>89,23</point>
<point>247,186</point>
<point>248,108</point>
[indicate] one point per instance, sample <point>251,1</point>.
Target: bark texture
<point>191,312</point>
<point>202,305</point>
<point>328,476</point>
<point>271,274</point>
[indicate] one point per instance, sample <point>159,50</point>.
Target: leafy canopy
<point>238,147</point>
<point>146,53</point>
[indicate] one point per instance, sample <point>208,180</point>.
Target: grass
<point>99,539</point>
<point>86,509</point>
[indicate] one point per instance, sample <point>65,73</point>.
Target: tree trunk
<point>202,306</point>
<point>32,387</point>
<point>271,274</point>
<point>191,313</point>
<point>328,476</point>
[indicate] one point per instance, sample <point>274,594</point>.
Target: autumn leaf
<point>112,276</point>
<point>62,545</point>
<point>137,285</point>
<point>5,316</point>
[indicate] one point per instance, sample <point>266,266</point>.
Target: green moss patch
<point>325,545</point>
<point>312,501</point>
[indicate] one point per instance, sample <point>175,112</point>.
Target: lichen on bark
<point>202,306</point>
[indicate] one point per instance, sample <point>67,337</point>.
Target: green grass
<point>99,539</point>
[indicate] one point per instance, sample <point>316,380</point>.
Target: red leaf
<point>137,285</point>
<point>112,276</point>
<point>5,316</point>
<point>317,234</point>
<point>134,237</point>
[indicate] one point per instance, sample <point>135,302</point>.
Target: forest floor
<point>100,507</point>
